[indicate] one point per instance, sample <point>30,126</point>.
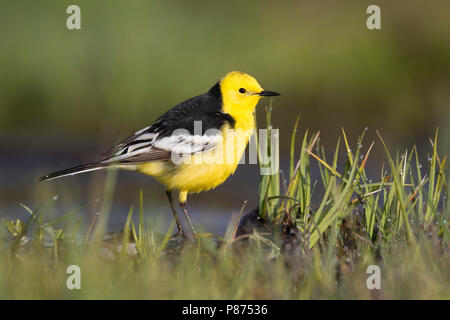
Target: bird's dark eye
<point>242,90</point>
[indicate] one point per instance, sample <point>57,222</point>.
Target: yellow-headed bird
<point>194,146</point>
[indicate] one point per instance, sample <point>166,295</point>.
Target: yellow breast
<point>206,170</point>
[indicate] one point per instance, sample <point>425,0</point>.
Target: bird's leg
<point>183,198</point>
<point>188,218</point>
<point>175,214</point>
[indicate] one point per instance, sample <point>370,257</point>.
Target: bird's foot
<point>179,234</point>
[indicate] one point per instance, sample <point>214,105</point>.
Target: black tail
<point>73,171</point>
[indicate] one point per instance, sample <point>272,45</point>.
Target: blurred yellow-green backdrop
<point>67,95</point>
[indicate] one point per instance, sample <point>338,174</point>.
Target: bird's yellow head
<point>241,92</point>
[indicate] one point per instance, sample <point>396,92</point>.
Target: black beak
<point>266,93</point>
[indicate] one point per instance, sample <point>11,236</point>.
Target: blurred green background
<point>67,95</point>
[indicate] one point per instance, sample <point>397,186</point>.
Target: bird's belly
<point>199,177</point>
<point>202,171</point>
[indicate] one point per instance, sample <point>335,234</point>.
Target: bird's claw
<point>178,234</point>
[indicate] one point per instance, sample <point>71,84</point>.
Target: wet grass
<point>291,247</point>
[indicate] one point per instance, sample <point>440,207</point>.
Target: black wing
<point>157,141</point>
